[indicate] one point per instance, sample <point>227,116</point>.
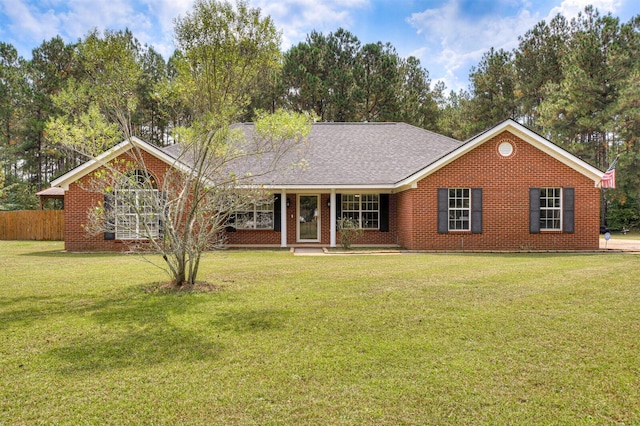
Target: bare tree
<point>214,175</point>
<point>222,52</point>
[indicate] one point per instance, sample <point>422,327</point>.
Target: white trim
<point>283,219</point>
<point>318,219</point>
<point>358,197</point>
<point>520,131</point>
<point>332,218</point>
<point>122,226</point>
<point>459,209</point>
<point>314,189</point>
<point>68,178</point>
<point>505,148</point>
<point>560,209</point>
<point>408,183</point>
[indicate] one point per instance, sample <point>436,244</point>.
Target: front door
<point>308,218</point>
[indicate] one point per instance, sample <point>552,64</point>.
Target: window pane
<point>370,220</point>
<point>265,220</point>
<point>550,208</point>
<point>136,215</point>
<point>244,220</point>
<point>459,209</point>
<point>362,208</point>
<point>257,216</point>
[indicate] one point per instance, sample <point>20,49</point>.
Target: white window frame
<point>256,211</point>
<point>360,206</point>
<point>551,213</point>
<point>132,213</point>
<point>459,209</point>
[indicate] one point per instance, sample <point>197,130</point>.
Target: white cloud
<point>165,13</point>
<point>571,8</point>
<point>296,18</point>
<point>456,40</point>
<point>27,20</point>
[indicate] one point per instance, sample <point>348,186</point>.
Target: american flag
<point>609,177</point>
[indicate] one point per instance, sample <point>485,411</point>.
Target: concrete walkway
<point>614,244</point>
<point>620,244</point>
<point>307,251</point>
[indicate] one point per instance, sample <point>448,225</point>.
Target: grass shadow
<point>133,328</point>
<point>250,321</point>
<point>154,344</point>
<point>71,255</point>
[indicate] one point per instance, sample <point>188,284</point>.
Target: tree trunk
<point>180,276</point>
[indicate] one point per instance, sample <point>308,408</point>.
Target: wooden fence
<point>41,225</point>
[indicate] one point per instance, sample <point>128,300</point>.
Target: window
<point>459,209</point>
<point>257,216</point>
<point>136,203</point>
<point>550,209</point>
<point>136,215</point>
<point>363,209</point>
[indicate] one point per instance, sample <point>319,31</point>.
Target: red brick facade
<point>505,182</point>
<point>78,202</point>
<point>272,238</point>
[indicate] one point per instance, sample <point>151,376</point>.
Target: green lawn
<point>395,339</point>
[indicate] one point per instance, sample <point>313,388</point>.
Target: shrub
<point>349,229</point>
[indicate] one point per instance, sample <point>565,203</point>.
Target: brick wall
<point>79,200</point>
<point>413,213</point>
<point>404,217</point>
<point>505,182</point>
<point>267,237</point>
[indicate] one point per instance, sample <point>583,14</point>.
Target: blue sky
<point>448,36</point>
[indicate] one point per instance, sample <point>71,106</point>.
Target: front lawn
<point>360,339</point>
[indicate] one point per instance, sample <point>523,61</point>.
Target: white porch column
<point>332,218</point>
<point>283,219</point>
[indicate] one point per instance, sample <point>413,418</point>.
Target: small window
<point>257,216</point>
<point>363,209</point>
<point>550,209</point>
<point>459,209</point>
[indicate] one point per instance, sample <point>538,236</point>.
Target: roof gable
<point>393,156</point>
<point>523,133</point>
<point>84,169</point>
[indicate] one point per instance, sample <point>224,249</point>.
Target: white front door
<point>308,218</point>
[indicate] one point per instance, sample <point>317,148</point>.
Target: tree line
<point>576,82</point>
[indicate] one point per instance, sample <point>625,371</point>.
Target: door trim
<point>318,219</point>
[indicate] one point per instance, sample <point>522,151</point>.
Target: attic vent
<point>505,148</point>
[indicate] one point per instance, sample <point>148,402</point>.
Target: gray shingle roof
<point>359,154</point>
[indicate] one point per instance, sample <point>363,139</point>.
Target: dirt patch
<point>169,287</point>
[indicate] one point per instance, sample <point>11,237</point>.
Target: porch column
<point>283,219</point>
<point>332,218</point>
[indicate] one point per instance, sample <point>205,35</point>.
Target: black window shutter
<point>384,212</point>
<point>109,232</point>
<point>231,223</point>
<point>568,203</point>
<point>476,210</point>
<point>338,206</point>
<point>163,206</point>
<point>443,210</point>
<point>534,210</point>
<point>277,210</point>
